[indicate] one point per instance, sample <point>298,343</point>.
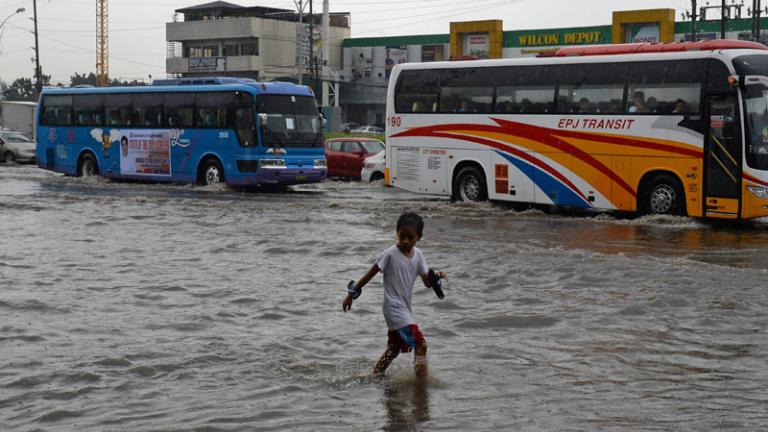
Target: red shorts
<point>407,338</point>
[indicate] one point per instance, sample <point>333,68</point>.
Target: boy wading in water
<point>400,264</point>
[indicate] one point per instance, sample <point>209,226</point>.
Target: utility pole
<point>723,17</point>
<point>312,44</point>
<point>38,72</point>
<point>300,40</point>
<point>727,12</point>
<point>693,14</point>
<point>757,10</point>
<point>693,21</point>
<point>755,19</point>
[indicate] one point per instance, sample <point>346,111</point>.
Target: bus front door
<point>722,158</point>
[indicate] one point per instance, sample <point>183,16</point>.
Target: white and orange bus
<point>679,128</point>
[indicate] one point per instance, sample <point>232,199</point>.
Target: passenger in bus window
<point>614,106</point>
<point>584,106</point>
<point>506,107</point>
<point>464,106</point>
<point>680,107</point>
<point>638,103</point>
<point>526,106</point>
<point>652,105</point>
<point>562,104</point>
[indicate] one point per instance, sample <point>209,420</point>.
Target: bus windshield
<point>292,121</point>
<point>757,126</point>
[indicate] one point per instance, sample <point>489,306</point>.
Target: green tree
<point>133,83</point>
<point>77,79</point>
<point>23,90</point>
<point>90,79</point>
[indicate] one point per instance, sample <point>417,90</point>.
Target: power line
<point>452,13</point>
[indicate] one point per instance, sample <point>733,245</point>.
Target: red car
<point>345,156</point>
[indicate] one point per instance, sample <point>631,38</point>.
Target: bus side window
<point>56,110</point>
<point>178,110</point>
<point>214,109</point>
<point>146,109</point>
<point>89,109</point>
<point>656,86</point>
<point>466,90</point>
<point>417,91</point>
<point>590,88</point>
<point>118,109</point>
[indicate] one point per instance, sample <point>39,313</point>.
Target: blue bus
<point>206,131</point>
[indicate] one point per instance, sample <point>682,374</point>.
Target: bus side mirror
<point>323,122</point>
<point>263,121</point>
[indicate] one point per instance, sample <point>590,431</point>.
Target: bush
<point>329,135</point>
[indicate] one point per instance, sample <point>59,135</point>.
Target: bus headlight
<point>271,163</point>
<point>760,191</point>
<point>320,164</point>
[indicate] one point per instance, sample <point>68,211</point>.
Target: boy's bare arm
<point>347,303</point>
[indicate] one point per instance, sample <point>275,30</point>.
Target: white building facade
<point>262,43</point>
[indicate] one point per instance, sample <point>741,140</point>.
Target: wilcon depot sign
<point>535,41</point>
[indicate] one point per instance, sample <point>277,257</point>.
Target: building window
<point>231,50</point>
<point>250,48</point>
<point>204,51</point>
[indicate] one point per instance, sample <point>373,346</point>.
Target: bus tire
<point>663,195</point>
<point>87,166</point>
<point>211,172</point>
<point>470,185</point>
<point>7,157</point>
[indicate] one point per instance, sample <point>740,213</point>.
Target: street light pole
<point>18,11</point>
<point>38,77</point>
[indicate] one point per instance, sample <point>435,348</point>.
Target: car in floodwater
<point>16,147</point>
<point>373,167</point>
<point>345,156</point>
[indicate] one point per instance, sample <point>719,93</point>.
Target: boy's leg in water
<point>390,354</point>
<point>420,361</point>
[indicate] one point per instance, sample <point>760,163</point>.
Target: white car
<point>15,146</point>
<point>373,168</point>
<point>368,129</point>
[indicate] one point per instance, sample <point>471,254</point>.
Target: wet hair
<point>411,220</point>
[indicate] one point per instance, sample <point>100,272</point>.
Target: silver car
<point>16,147</point>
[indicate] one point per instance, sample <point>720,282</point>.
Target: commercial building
<point>262,43</point>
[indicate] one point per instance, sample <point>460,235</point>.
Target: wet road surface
<point>150,307</point>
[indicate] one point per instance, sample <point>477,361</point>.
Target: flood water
<point>150,307</point>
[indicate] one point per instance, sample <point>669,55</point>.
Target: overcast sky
<point>67,28</point>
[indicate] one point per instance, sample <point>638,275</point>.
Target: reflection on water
<point>406,401</point>
<point>143,307</point>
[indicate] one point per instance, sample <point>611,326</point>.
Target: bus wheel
<point>470,185</point>
<point>212,173</point>
<point>662,196</point>
<point>88,167</point>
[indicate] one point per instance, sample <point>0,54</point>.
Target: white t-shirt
<point>400,272</point>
